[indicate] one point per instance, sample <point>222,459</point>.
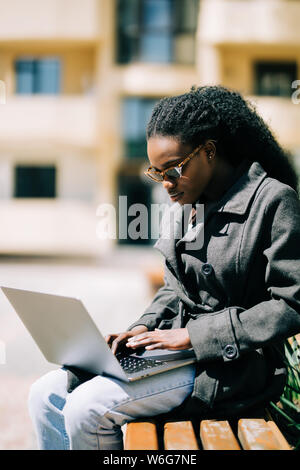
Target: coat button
<point>207,269</point>
<point>230,351</point>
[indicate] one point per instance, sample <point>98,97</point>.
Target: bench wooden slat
<point>217,435</point>
<point>258,434</point>
<point>284,445</point>
<point>180,436</point>
<point>252,434</point>
<point>141,436</point>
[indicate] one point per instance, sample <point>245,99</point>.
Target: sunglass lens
<point>154,175</point>
<point>173,173</point>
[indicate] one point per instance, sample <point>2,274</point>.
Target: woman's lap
<point>105,403</point>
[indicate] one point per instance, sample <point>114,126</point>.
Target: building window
<point>33,181</point>
<point>156,30</point>
<point>274,78</point>
<point>38,76</point>
<point>136,192</point>
<point>136,113</point>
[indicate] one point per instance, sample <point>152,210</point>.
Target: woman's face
<point>164,152</point>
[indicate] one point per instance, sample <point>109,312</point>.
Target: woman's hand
<point>117,340</point>
<point>175,340</point>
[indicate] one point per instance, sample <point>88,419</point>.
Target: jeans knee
<point>45,392</point>
<point>36,397</point>
<point>85,416</point>
<point>90,425</point>
<point>79,415</point>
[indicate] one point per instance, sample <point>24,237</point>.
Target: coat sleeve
<point>233,331</point>
<point>163,306</point>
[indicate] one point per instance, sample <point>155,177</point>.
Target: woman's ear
<point>210,149</point>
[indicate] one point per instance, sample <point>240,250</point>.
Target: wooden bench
<point>251,434</point>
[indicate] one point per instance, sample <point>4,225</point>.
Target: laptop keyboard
<point>136,364</point>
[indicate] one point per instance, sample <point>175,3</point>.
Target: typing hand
<point>118,340</point>
<point>176,339</point>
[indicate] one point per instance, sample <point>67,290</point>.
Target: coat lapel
<point>171,230</point>
<point>236,199</point>
<point>195,234</point>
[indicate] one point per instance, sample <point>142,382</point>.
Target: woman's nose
<point>169,183</point>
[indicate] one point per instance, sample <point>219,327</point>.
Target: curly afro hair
<point>215,112</point>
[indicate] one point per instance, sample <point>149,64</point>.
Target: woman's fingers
<point>115,344</point>
<point>157,339</point>
<point>109,338</point>
<point>157,346</point>
<point>139,339</point>
<point>176,339</point>
<point>119,340</point>
<point>145,339</point>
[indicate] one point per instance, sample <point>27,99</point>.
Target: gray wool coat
<point>237,292</point>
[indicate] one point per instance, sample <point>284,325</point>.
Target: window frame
<point>18,191</point>
<point>139,31</point>
<point>265,66</point>
<point>36,63</point>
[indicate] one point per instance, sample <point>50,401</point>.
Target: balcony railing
<point>49,19</point>
<point>258,21</point>
<point>49,227</point>
<point>59,119</point>
<point>283,117</point>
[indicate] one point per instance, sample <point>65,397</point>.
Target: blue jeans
<point>90,418</point>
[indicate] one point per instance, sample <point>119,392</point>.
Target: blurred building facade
<point>81,80</point>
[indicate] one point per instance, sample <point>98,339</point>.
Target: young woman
<point>233,297</point>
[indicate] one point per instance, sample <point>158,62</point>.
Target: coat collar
<point>239,195</point>
<point>236,200</point>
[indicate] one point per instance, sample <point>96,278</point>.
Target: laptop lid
<point>64,331</point>
<point>67,335</point>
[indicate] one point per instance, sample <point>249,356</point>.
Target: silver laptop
<point>66,335</point>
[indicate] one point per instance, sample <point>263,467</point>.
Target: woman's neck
<point>224,177</point>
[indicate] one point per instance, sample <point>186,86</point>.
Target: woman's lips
<point>176,196</point>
